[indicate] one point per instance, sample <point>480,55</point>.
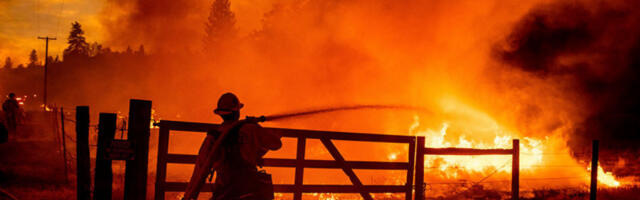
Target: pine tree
<point>33,58</point>
<point>221,25</point>
<point>140,51</point>
<point>78,45</point>
<point>8,64</point>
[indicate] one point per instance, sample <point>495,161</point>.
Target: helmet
<point>228,103</point>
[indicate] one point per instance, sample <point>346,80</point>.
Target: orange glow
<point>292,55</point>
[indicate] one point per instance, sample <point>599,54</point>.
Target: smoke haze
<point>486,68</point>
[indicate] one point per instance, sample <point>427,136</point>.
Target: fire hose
<point>206,156</point>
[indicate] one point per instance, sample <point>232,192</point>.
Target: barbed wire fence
<point>485,180</point>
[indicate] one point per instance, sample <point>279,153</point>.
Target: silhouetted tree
<point>129,51</point>
<point>78,45</point>
<point>20,66</point>
<point>33,58</point>
<point>57,59</point>
<point>8,64</point>
<point>140,51</point>
<point>220,25</point>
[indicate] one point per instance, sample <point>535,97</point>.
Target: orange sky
<point>22,21</point>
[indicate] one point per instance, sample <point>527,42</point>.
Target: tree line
<point>87,70</point>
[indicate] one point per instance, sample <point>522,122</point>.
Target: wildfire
<point>531,151</point>
<point>606,178</point>
<point>542,160</point>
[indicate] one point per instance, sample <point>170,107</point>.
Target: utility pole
<point>46,62</point>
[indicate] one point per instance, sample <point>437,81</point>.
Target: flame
<point>543,160</point>
<point>607,178</point>
<point>154,119</point>
<point>46,107</point>
<point>530,148</point>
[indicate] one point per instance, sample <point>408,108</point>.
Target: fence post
<point>300,150</point>
<point>103,178</point>
<point>419,180</point>
<point>161,165</point>
<point>594,170</point>
<point>82,150</point>
<point>135,183</point>
<point>412,157</point>
<point>64,146</point>
<point>515,171</point>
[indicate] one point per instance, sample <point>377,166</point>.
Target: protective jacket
<point>235,159</point>
<point>237,176</point>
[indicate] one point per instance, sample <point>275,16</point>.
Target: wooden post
<point>135,183</point>
<point>594,170</point>
<point>409,182</point>
<point>419,180</point>
<point>103,173</point>
<point>64,146</point>
<point>161,165</point>
<point>301,146</point>
<point>515,171</point>
<point>82,150</point>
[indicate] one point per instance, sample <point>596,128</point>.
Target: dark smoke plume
<point>592,48</point>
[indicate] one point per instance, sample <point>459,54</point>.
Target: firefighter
<point>235,163</point>
<point>11,108</point>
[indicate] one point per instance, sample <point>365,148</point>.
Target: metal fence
<point>300,163</point>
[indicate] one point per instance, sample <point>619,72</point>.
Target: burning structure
<point>554,74</point>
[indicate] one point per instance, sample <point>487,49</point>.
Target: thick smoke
<point>592,51</point>
<point>164,25</point>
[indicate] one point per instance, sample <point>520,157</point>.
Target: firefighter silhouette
<point>236,158</point>
<point>11,109</point>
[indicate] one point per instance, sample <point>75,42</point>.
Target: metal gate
<point>300,163</point>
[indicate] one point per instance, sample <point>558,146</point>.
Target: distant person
<point>11,109</point>
<point>235,161</point>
